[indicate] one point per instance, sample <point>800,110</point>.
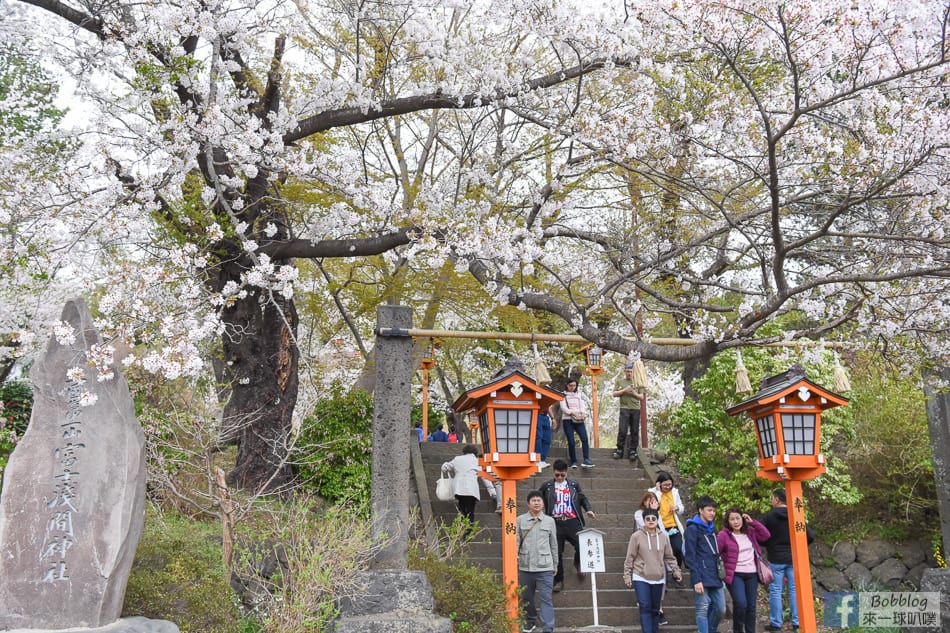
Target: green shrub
<point>333,452</point>
<point>890,456</point>
<point>321,555</point>
<point>16,404</point>
<point>470,595</point>
<point>179,575</point>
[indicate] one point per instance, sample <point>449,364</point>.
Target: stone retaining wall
<point>871,564</point>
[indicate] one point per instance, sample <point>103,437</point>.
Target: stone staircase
<point>614,488</point>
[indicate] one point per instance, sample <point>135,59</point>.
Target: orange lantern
<point>787,416</point>
<point>507,411</point>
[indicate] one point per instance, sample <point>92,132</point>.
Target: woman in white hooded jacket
<point>649,553</point>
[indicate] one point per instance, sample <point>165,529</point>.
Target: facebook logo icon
<point>841,609</point>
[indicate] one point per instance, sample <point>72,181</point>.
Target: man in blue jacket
<point>439,435</point>
<point>702,556</point>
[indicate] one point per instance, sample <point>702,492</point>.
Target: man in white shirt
<point>567,504</point>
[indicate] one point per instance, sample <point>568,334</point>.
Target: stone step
<point>614,552</point>
<point>627,487</point>
<point>630,482</point>
<point>623,507</point>
<point>616,529</point>
<point>612,470</point>
<point>432,451</point>
<point>579,596</point>
<point>573,618</point>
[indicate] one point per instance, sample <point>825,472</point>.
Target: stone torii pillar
<point>393,598</point>
<point>391,414</point>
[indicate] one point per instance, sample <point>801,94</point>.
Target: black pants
<point>744,590</point>
<point>629,421</point>
<point>567,533</point>
<point>676,542</point>
<point>466,506</point>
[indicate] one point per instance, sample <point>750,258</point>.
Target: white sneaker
<point>543,465</point>
<point>528,629</point>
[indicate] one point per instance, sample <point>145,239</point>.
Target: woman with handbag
<point>742,557</point>
<point>573,416</point>
<point>465,468</point>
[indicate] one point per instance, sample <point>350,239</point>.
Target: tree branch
<point>405,105</point>
<point>83,20</point>
<point>356,247</point>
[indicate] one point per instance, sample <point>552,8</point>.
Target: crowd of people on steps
<point>742,554</point>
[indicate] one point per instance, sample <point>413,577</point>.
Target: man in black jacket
<point>567,504</point>
<point>779,549</point>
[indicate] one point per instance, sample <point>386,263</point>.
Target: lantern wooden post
<point>509,546</point>
<point>594,355</point>
<point>802,570</point>
<point>787,417</point>
<point>595,404</point>
<point>427,364</point>
<point>507,411</point>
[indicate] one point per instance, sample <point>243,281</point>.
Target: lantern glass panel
<point>594,355</point>
<point>765,427</point>
<point>798,431</point>
<point>512,430</point>
<point>486,435</point>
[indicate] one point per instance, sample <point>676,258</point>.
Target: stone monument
<point>938,419</point>
<point>74,491</point>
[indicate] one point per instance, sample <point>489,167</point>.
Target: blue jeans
<point>710,605</point>
<point>543,442</point>
<point>570,427</point>
<point>775,594</point>
<point>540,583</point>
<point>744,589</point>
<point>649,597</point>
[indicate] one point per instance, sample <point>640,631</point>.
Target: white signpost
<point>591,543</point>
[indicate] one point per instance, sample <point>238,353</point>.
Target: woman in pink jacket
<point>739,546</point>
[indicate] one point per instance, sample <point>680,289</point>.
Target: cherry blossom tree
<point>222,142</point>
<point>778,171</point>
<point>730,175</point>
<point>35,273</point>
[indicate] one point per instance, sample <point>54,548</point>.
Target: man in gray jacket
<point>537,564</point>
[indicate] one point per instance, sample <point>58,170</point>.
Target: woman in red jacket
<point>739,546</point>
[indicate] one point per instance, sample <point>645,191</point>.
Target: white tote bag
<point>445,488</point>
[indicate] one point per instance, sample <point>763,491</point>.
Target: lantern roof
<point>773,388</point>
<point>470,398</point>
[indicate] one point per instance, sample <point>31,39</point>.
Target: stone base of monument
<point>122,625</point>
<point>391,602</point>
<point>938,581</point>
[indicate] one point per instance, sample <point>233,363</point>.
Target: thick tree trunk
<point>692,370</point>
<point>261,362</point>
